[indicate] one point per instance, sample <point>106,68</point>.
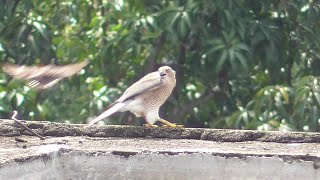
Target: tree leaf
<point>241,59</point>
<point>285,94</point>
<point>42,30</point>
<point>19,99</point>
<point>222,60</point>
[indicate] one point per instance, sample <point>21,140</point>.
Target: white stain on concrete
<point>48,148</point>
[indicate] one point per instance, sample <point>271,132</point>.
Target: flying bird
<point>43,77</point>
<point>145,97</point>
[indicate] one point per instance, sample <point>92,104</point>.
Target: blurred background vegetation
<point>242,64</point>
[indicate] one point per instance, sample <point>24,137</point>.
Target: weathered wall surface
<point>77,165</point>
<point>73,152</point>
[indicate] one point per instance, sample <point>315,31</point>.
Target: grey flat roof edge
<point>10,128</point>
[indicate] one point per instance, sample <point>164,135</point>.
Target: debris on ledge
<point>72,151</point>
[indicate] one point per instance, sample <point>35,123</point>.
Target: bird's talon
<point>169,124</point>
<point>150,125</point>
<point>173,126</point>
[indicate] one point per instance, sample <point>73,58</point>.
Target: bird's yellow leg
<point>169,124</point>
<point>150,125</point>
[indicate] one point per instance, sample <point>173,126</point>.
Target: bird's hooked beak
<point>162,74</point>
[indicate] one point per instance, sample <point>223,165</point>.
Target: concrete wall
<point>78,165</point>
<point>127,152</point>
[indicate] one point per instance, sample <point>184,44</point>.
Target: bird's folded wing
<point>148,83</point>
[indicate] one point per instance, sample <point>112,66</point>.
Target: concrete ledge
<point>128,152</point>
<point>9,128</point>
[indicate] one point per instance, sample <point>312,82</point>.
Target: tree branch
<point>179,69</point>
<point>152,59</point>
<point>15,113</point>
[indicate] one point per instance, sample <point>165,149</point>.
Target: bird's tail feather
<point>110,110</point>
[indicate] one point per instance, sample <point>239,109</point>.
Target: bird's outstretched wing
<point>148,83</point>
<point>45,76</point>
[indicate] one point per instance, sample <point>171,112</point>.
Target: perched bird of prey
<point>43,77</point>
<point>145,97</point>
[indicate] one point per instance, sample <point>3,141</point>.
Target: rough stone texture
<point>128,152</point>
<point>9,128</point>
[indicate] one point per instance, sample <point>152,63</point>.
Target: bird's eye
<point>167,70</point>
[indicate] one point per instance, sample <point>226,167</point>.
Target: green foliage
<point>240,64</point>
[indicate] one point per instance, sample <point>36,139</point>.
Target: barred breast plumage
<point>145,97</point>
